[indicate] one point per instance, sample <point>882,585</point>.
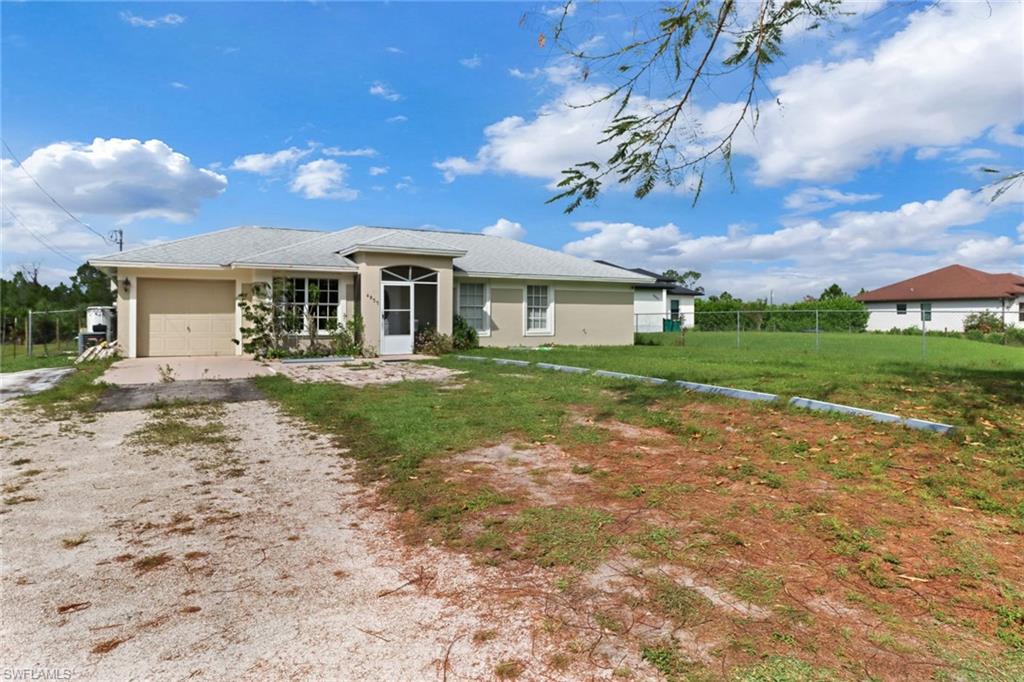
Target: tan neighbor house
<point>180,297</point>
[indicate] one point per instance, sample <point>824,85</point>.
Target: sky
<point>171,119</point>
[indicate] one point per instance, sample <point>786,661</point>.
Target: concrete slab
<point>740,393</point>
<point>824,406</point>
<point>629,377</point>
<point>29,381</point>
<point>138,397</point>
<point>137,371</point>
<point>563,368</point>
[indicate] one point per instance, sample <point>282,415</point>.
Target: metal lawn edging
<point>563,368</point>
<point>741,394</point>
<point>886,417</point>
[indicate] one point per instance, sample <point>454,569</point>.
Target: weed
<point>559,661</point>
<point>570,536</point>
<point>72,542</point>
<point>667,659</point>
<point>583,469</point>
<point>20,461</point>
<point>683,605</point>
<point>784,669</point>
<point>757,586</point>
<point>509,669</point>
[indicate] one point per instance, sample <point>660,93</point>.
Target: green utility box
<point>670,326</point>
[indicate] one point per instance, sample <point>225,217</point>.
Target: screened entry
<point>409,297</point>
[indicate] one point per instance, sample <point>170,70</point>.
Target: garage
<point>186,317</point>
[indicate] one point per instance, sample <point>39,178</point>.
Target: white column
<point>133,316</point>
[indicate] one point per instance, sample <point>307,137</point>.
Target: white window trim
<point>550,330</point>
<point>487,305</point>
<point>341,316</point>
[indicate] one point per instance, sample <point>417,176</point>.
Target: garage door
<point>186,317</point>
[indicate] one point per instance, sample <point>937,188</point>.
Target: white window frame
<point>549,330</point>
<point>487,305</point>
<point>926,311</point>
<point>340,318</point>
<point>901,312</point>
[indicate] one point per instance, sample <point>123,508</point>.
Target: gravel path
<point>123,564</point>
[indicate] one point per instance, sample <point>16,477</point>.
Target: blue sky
<point>171,119</point>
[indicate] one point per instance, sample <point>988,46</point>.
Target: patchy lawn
<point>967,383</point>
<point>14,358</point>
<point>702,538</point>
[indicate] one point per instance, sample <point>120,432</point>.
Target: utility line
<point>48,195</point>
<point>39,238</point>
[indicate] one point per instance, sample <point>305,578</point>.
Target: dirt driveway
<point>251,554</point>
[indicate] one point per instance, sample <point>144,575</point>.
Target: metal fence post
<point>737,329</point>
<point>28,336</point>
<point>817,331</point>
<point>924,336</point>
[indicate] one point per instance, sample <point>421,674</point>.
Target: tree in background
<point>834,291</point>
<point>23,292</point>
<point>688,279</point>
<point>695,46</point>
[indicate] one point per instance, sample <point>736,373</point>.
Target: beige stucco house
<point>181,297</point>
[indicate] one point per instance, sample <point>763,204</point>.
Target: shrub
<point>985,322</point>
<point>432,342</point>
<point>464,336</point>
<point>347,338</point>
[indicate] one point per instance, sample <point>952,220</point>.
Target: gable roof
<point>660,281</point>
<point>953,282</point>
<point>279,248</point>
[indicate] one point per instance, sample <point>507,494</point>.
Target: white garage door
<point>186,317</point>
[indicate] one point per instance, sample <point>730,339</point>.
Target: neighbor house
<point>181,297</point>
<point>942,298</point>
<point>659,300</point>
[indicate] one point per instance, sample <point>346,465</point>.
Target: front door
<point>396,319</point>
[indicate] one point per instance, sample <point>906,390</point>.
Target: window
<point>901,308</point>
<point>473,306</point>
<point>538,310</point>
<point>313,301</point>
<point>1020,312</point>
<point>926,312</point>
<point>674,308</point>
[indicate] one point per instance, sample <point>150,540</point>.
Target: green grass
<point>75,394</point>
<point>14,358</point>
<point>957,380</point>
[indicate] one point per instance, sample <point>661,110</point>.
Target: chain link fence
<point>42,333</point>
<point>750,328</point>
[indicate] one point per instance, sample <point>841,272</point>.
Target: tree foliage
<point>688,279</point>
<point>24,292</point>
<point>838,313</point>
<point>694,44</point>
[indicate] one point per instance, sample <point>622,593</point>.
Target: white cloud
<point>397,119</point>
<point>267,163</point>
<point>853,248</point>
<point>505,228</point>
<point>178,85</point>
<point>394,50</point>
<point>561,8</point>
<point>975,154</point>
<point>119,179</point>
<point>405,184</point>
<point>473,62</point>
<point>557,137</point>
<point>323,179</point>
<point>142,22</point>
<point>362,151</point>
<point>384,91</point>
<point>844,48</point>
<point>524,75</point>
<point>378,170</point>
<point>811,199</point>
<point>941,81</point>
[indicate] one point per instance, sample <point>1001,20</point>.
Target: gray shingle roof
<point>268,247</point>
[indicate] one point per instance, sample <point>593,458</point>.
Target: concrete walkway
<point>135,371</point>
<point>15,384</point>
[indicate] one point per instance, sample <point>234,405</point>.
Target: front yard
<point>505,522</point>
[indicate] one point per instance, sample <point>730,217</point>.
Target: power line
<point>48,195</point>
<point>39,238</point>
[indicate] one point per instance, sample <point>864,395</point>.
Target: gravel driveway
<point>124,563</point>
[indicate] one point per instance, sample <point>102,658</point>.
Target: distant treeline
<point>838,311</point>
<point>24,292</point>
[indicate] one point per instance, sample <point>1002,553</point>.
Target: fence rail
<point>820,322</point>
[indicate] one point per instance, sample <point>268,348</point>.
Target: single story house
<point>942,298</point>
<point>662,299</point>
<point>181,297</point>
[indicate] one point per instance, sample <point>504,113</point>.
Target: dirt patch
<point>188,570</point>
<point>364,372</point>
